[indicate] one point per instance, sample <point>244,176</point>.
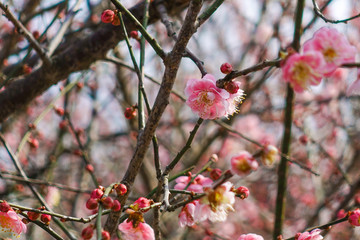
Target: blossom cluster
<point>320,57</point>
<point>11,224</point>
<point>210,102</point>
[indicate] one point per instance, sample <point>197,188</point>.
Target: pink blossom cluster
<point>214,206</point>
<point>321,56</point>
<point>210,102</point>
<point>313,235</point>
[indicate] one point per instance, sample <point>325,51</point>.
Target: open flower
<point>187,215</point>
<point>205,98</point>
<point>141,232</point>
<point>243,163</point>
<point>334,46</point>
<point>313,235</point>
<point>11,224</point>
<point>303,70</point>
<point>250,236</point>
<point>235,99</point>
<point>216,204</point>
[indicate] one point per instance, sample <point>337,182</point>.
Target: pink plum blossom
<point>250,236</point>
<point>313,235</point>
<point>142,232</point>
<point>11,225</point>
<point>216,204</point>
<point>243,163</point>
<point>354,217</point>
<point>187,215</point>
<point>205,98</point>
<point>303,70</point>
<point>196,186</point>
<point>334,46</point>
<point>269,154</point>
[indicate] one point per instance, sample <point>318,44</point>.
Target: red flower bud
<point>231,87</point>
<point>107,202</point>
<point>63,124</point>
<point>59,111</point>
<point>117,206</point>
<point>215,174</point>
<point>243,192</point>
<point>4,206</point>
<point>36,34</point>
<point>226,68</point>
<point>27,69</point>
<point>130,113</point>
<point>134,34</point>
<point>33,215</point>
<point>45,218</point>
<point>121,189</point>
<point>105,235</point>
<point>34,143</point>
<point>116,21</point>
<point>89,168</point>
<point>92,204</point>
<point>107,16</point>
<point>96,193</point>
<point>87,232</point>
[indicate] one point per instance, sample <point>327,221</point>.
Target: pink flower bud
<point>107,16</point>
<point>130,113</point>
<point>34,143</point>
<point>59,111</point>
<point>121,189</point>
<point>96,193</point>
<point>226,68</point>
<point>4,206</point>
<point>141,203</point>
<point>354,217</point>
<point>134,34</point>
<point>243,192</point>
<point>92,204</point>
<point>89,168</point>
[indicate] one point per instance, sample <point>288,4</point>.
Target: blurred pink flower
<point>354,88</point>
<point>303,70</point>
<point>354,217</point>
<point>216,204</point>
<point>11,225</point>
<point>243,163</point>
<point>250,236</point>
<point>205,98</point>
<point>142,232</point>
<point>334,46</point>
<point>186,216</point>
<point>313,235</point>
<point>196,186</point>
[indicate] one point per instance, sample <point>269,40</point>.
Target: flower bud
<point>87,233</point>
<point>89,168</point>
<point>107,202</point>
<point>92,204</point>
<point>215,174</point>
<point>130,113</point>
<point>243,192</point>
<point>134,34</point>
<point>354,217</point>
<point>107,16</point>
<point>34,143</point>
<point>4,206</point>
<point>105,235</point>
<point>96,193</point>
<point>231,87</point>
<point>33,215</point>
<point>116,206</point>
<point>121,189</point>
<point>226,68</point>
<point>59,111</point>
<point>45,218</point>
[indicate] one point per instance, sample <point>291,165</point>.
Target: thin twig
<point>22,29</point>
<point>321,15</point>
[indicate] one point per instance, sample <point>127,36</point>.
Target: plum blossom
<point>196,186</point>
<point>250,236</point>
<point>334,46</point>
<point>303,70</point>
<point>205,98</point>
<point>354,217</point>
<point>11,225</point>
<point>187,215</point>
<point>141,232</point>
<point>269,154</point>
<point>216,204</point>
<point>243,163</point>
<point>209,101</point>
<point>313,235</point>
